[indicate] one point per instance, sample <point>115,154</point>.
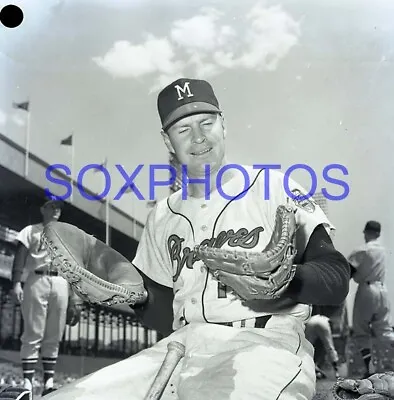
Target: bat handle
<point>174,354</point>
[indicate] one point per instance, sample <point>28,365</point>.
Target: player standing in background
<point>44,299</point>
<point>371,312</point>
<point>236,349</point>
<point>319,327</point>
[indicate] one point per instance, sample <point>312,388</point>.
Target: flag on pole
<point>22,106</point>
<point>69,141</point>
<point>25,106</point>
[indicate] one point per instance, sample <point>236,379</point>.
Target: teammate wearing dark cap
<point>44,299</point>
<point>371,313</point>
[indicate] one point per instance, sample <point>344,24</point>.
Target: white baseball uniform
<point>318,327</point>
<point>45,300</point>
<point>371,313</point>
<point>233,362</point>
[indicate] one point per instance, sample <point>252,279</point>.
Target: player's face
<point>51,212</point>
<point>198,140</point>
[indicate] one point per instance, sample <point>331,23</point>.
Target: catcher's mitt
<point>8,392</point>
<point>376,387</point>
<point>257,275</point>
<point>97,273</point>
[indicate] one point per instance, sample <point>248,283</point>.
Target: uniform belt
<point>260,322</point>
<point>50,273</point>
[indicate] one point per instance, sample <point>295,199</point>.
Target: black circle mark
<point>11,16</point>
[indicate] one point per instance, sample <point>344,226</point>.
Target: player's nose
<point>198,135</point>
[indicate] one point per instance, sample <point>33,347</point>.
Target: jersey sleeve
<point>24,236</point>
<point>149,258</point>
<point>359,259</point>
<point>283,191</point>
<point>356,257</point>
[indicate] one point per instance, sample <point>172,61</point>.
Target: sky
<point>298,81</point>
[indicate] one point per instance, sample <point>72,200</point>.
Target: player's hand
<point>18,292</point>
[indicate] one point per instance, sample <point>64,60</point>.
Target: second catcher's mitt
<point>378,386</point>
<point>97,273</point>
<point>257,275</point>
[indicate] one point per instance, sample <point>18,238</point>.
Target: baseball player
<point>318,327</point>
<point>234,349</point>
<point>371,312</point>
<point>44,300</point>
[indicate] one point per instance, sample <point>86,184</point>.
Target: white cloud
<point>205,45</point>
<point>271,35</point>
<point>3,118</point>
<point>201,32</point>
<point>126,60</point>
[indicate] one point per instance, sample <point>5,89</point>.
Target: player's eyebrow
<point>205,118</point>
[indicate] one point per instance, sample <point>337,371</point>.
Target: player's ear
<point>167,141</point>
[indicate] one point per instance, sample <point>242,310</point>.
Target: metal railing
<point>101,332</point>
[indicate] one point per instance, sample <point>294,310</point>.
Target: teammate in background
<point>236,349</point>
<point>44,300</point>
<point>319,327</point>
<point>371,312</point>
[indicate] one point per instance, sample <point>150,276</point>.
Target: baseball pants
<point>371,314</point>
<point>220,363</point>
<point>318,327</point>
<point>44,310</point>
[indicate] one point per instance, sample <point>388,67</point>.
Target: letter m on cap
<point>183,90</point>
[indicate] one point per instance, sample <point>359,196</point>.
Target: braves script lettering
<point>242,238</point>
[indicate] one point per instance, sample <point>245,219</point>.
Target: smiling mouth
<point>202,152</point>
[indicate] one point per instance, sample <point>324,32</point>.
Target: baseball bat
<point>174,354</point>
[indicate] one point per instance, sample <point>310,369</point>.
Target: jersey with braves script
<point>239,215</point>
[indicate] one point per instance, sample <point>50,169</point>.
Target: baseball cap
<point>373,226</point>
<point>55,201</point>
<point>185,97</point>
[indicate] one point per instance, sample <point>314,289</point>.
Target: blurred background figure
<point>44,299</point>
<point>371,312</point>
<point>319,332</point>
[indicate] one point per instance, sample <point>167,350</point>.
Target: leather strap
<point>50,273</point>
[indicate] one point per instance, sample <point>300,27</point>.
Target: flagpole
<point>27,144</point>
<point>72,166</point>
<point>134,220</point>
<point>107,226</point>
<point>107,220</point>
